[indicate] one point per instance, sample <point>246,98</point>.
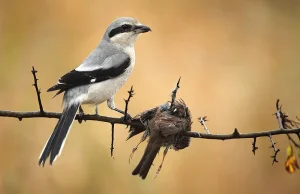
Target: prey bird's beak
<point>141,29</point>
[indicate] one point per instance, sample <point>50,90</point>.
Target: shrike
<point>96,80</point>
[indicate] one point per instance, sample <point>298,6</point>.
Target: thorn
<point>254,147</point>
<point>236,133</point>
<point>20,118</point>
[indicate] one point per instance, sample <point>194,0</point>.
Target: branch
<point>112,120</point>
<point>174,92</point>
<point>202,120</point>
<point>285,123</point>
<point>37,90</point>
<point>275,150</point>
<point>112,140</point>
<point>130,95</point>
<point>241,135</point>
<point>86,117</point>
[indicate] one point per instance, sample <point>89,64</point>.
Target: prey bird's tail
<point>57,139</point>
<point>151,151</point>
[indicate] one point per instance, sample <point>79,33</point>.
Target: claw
<point>80,114</point>
<point>160,166</point>
<point>96,110</point>
<point>131,155</point>
<point>144,137</point>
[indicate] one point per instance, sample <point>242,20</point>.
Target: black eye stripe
<point>121,29</point>
<point>126,27</point>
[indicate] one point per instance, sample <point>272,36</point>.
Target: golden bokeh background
<point>235,59</point>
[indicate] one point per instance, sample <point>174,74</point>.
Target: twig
<point>130,95</point>
<point>112,140</point>
<point>278,115</point>
<point>282,118</point>
<point>284,122</point>
<point>202,120</point>
<point>174,92</point>
<point>275,150</point>
<point>37,90</point>
<point>254,148</point>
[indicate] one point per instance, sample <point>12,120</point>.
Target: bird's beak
<point>141,29</point>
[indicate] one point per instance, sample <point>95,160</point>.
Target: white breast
<point>102,91</point>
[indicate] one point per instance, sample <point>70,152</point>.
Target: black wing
<point>143,117</point>
<point>78,78</point>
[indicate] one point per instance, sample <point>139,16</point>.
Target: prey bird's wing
<point>143,117</point>
<point>168,125</point>
<point>93,71</point>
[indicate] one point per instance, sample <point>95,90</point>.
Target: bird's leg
<point>111,105</point>
<point>144,137</point>
<point>160,166</point>
<point>96,109</point>
<point>81,113</point>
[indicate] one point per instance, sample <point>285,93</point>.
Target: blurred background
<point>235,59</point>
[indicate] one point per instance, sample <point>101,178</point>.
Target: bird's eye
<point>126,27</point>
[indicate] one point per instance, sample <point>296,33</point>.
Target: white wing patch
<point>93,80</point>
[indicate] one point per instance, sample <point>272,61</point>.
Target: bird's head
<point>124,31</point>
<point>180,109</point>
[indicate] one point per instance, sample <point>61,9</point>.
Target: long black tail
<point>56,141</point>
<point>150,153</point>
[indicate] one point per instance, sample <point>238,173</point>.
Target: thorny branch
<point>38,91</point>
<point>202,121</point>
<point>241,135</point>
<point>285,123</point>
<point>112,120</point>
<point>131,93</point>
<point>275,150</point>
<point>86,117</point>
<point>112,140</point>
<point>174,92</point>
<point>286,126</point>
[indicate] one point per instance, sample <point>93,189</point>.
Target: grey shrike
<point>96,80</point>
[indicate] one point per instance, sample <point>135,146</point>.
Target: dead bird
<point>165,126</point>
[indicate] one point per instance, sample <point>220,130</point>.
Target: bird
<point>96,80</point>
<point>165,126</point>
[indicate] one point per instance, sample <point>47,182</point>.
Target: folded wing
<point>111,67</point>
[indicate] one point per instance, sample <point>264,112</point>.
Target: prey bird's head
<point>124,31</point>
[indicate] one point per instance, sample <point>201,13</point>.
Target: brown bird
<point>165,126</point>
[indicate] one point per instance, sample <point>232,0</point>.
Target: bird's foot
<point>158,170</point>
<point>126,118</point>
<point>131,155</point>
<point>96,110</point>
<point>80,115</point>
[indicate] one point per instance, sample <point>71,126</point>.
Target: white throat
<point>124,39</point>
<point>129,50</point>
<point>126,45</point>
